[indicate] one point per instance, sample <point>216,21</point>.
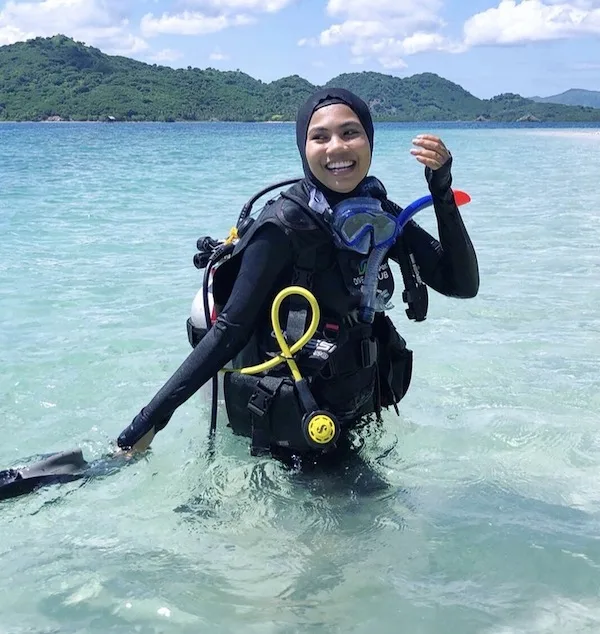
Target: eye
<point>351,132</point>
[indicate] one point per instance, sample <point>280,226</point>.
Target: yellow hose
<point>320,428</point>
<point>287,352</point>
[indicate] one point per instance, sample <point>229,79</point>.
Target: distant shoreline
<point>49,78</point>
<point>550,125</point>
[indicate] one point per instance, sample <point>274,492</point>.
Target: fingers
<point>434,164</point>
<point>432,158</point>
<point>430,143</point>
<point>429,137</point>
<point>430,150</point>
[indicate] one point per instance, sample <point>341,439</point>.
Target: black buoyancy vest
<point>334,276</point>
<point>341,361</point>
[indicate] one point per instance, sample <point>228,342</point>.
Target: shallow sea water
<point>475,511</point>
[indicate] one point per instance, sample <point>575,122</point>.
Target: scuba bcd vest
<point>350,369</point>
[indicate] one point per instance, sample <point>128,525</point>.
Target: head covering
<point>320,99</point>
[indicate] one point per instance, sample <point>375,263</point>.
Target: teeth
<point>339,165</point>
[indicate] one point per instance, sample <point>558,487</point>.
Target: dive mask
<point>361,224</point>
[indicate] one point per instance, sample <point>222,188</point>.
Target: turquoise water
<point>490,519</point>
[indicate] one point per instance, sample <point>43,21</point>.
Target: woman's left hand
<point>430,151</point>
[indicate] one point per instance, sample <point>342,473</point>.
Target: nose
<point>336,142</point>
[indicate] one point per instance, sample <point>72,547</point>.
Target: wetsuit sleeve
<point>268,253</point>
<point>448,265</point>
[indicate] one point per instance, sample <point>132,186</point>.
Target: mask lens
<point>362,224</point>
<point>356,224</point>
<point>384,228</point>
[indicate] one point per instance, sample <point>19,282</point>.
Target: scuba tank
<point>200,322</point>
<point>204,312</point>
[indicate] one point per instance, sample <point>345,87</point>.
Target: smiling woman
<point>355,363</point>
<point>337,149</point>
<point>319,252</point>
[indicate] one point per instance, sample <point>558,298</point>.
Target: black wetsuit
<point>448,266</point>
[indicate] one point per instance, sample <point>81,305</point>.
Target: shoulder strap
<point>306,208</point>
<point>415,293</point>
<point>303,273</point>
<point>304,268</point>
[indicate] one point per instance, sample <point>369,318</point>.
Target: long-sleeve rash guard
<point>448,265</point>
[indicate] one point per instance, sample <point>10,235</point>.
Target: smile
<point>340,167</point>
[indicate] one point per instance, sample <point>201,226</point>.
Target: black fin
<point>64,466</point>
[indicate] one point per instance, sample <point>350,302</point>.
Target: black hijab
<point>320,99</point>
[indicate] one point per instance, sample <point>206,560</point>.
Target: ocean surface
<point>477,510</point>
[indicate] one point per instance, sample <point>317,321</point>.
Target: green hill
<point>58,77</point>
<point>573,97</point>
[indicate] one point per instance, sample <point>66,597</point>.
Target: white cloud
<point>10,33</point>
<point>354,31</point>
<point>378,40</point>
<point>166,55</point>
<point>380,9</point>
<point>217,56</point>
<point>233,6</point>
<point>386,30</point>
<point>420,42</point>
<point>586,66</point>
<point>392,63</point>
<point>189,23</point>
<point>99,23</point>
<point>532,20</point>
<point>391,30</point>
<point>209,16</point>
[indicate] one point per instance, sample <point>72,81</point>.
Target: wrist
<point>440,180</point>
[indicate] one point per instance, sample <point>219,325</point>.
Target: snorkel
<point>363,226</point>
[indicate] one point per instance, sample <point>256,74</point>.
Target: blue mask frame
<point>361,224</point>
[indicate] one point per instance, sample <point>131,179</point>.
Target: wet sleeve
<point>263,260</point>
<point>448,265</point>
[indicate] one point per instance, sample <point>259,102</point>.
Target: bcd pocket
<point>395,363</point>
<point>266,409</point>
<point>349,395</point>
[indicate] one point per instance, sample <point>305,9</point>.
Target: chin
<point>341,187</point>
<point>344,188</point>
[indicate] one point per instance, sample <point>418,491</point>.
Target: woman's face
<point>337,148</point>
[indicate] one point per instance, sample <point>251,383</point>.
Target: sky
<point>530,47</point>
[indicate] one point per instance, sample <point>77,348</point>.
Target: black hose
<point>247,208</point>
<point>215,379</point>
<point>219,253</point>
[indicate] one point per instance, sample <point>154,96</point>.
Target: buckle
<point>368,352</point>
<point>302,277</point>
<point>260,400</point>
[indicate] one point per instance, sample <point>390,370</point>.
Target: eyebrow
<point>346,124</point>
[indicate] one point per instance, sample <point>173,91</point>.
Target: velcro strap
<point>259,404</point>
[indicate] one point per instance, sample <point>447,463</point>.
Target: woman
<point>356,365</point>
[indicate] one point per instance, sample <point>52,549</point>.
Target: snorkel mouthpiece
<point>368,301</point>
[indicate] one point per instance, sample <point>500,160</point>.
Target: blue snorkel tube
<point>368,307</point>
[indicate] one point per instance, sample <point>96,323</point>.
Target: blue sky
<point>532,47</point>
